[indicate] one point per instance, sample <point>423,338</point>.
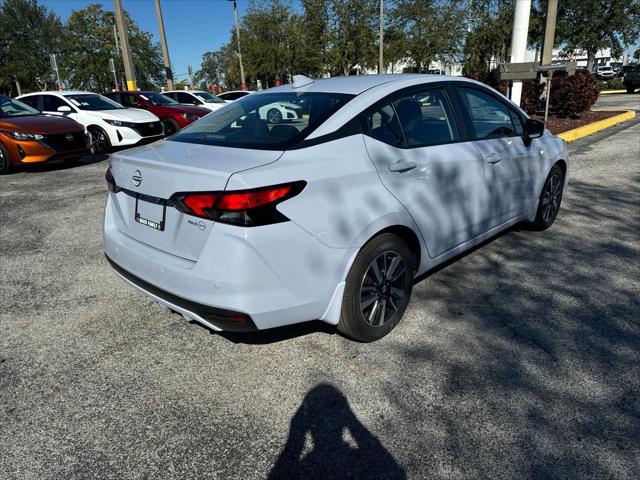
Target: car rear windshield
<point>93,102</point>
<point>272,121</point>
<point>158,98</point>
<point>13,108</point>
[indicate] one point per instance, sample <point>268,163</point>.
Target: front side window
<point>15,108</point>
<point>384,126</point>
<point>264,121</point>
<point>93,102</point>
<point>489,116</point>
<point>187,98</point>
<point>130,100</point>
<point>426,118</point>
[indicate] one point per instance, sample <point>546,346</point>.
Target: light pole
<point>381,55</point>
<point>129,70</point>
<point>243,85</point>
<point>519,42</point>
<point>165,48</point>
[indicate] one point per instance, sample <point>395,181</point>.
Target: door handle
<point>402,166</point>
<point>492,158</point>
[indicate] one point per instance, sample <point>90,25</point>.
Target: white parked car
<point>199,98</point>
<point>233,95</point>
<point>108,123</point>
<point>241,224</point>
<point>605,71</point>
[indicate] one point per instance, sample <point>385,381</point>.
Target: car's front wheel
<point>99,140</point>
<point>170,126</point>
<point>378,289</point>
<point>550,199</point>
<point>274,116</point>
<point>5,161</point>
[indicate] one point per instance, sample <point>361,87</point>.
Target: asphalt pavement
<point>519,360</point>
<point>618,101</point>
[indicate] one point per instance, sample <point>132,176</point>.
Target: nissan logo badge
<point>69,137</point>
<point>137,178</point>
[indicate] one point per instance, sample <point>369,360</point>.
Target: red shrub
<point>571,96</point>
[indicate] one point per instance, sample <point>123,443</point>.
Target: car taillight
<point>111,182</point>
<point>247,208</point>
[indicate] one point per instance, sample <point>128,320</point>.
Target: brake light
<point>246,208</point>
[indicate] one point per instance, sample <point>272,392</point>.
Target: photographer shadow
<point>327,441</point>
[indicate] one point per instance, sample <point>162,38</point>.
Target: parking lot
<point>518,360</point>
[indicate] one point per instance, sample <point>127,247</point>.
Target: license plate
<point>151,211</point>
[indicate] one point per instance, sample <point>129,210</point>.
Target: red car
<point>173,115</point>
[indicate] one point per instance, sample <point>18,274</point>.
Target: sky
<point>193,27</point>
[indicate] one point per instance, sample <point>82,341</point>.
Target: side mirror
<point>533,129</point>
<point>64,109</point>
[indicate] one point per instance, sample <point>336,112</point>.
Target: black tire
<point>99,140</point>
<point>170,126</point>
<point>274,116</point>
<point>5,161</point>
<point>550,199</point>
<point>372,308</point>
<point>630,89</point>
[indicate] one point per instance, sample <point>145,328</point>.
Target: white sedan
<point>241,223</point>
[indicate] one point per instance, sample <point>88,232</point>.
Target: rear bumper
<point>276,275</point>
<point>215,318</point>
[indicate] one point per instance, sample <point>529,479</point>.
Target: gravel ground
<point>518,360</point>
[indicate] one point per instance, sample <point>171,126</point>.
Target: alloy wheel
<point>383,288</point>
<point>551,196</point>
<point>98,141</point>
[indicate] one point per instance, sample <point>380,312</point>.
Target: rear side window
<point>186,98</point>
<point>273,121</point>
<point>426,118</point>
<point>51,103</point>
<point>32,101</point>
<point>130,100</point>
<point>489,116</point>
<point>385,126</point>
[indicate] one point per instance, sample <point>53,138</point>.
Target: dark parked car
<point>173,115</point>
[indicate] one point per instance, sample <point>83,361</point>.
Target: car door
<point>422,157</point>
<point>510,164</point>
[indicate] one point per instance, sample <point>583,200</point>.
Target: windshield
<point>13,108</point>
<point>208,97</point>
<point>271,121</point>
<point>92,101</point>
<point>158,98</point>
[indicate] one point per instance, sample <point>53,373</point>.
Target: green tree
<point>597,24</point>
<point>88,43</point>
<point>220,67</point>
<point>427,30</point>
<point>313,37</point>
<point>29,33</point>
<point>353,36</point>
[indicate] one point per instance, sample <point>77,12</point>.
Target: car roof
<point>356,84</point>
<point>187,91</point>
<point>63,92</point>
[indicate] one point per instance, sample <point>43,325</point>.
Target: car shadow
<point>326,440</point>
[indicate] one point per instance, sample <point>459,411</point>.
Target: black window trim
<point>444,86</point>
<point>456,85</point>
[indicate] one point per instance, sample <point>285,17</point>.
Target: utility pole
<point>112,67</point>
<point>519,42</point>
<point>549,32</point>
<point>165,49</point>
<point>243,85</point>
<point>190,70</point>
<point>54,67</point>
<point>381,53</point>
<point>129,70</point>
<point>115,36</point>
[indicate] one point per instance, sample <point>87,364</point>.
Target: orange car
<point>27,136</point>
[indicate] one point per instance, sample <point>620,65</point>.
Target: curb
<point>580,132</point>
<point>606,92</point>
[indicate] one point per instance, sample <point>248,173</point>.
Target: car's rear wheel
<point>630,89</point>
<point>378,289</point>
<point>274,116</point>
<point>550,199</point>
<point>5,161</point>
<point>170,126</point>
<point>99,140</point>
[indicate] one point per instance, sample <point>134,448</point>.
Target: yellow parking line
<point>576,133</point>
